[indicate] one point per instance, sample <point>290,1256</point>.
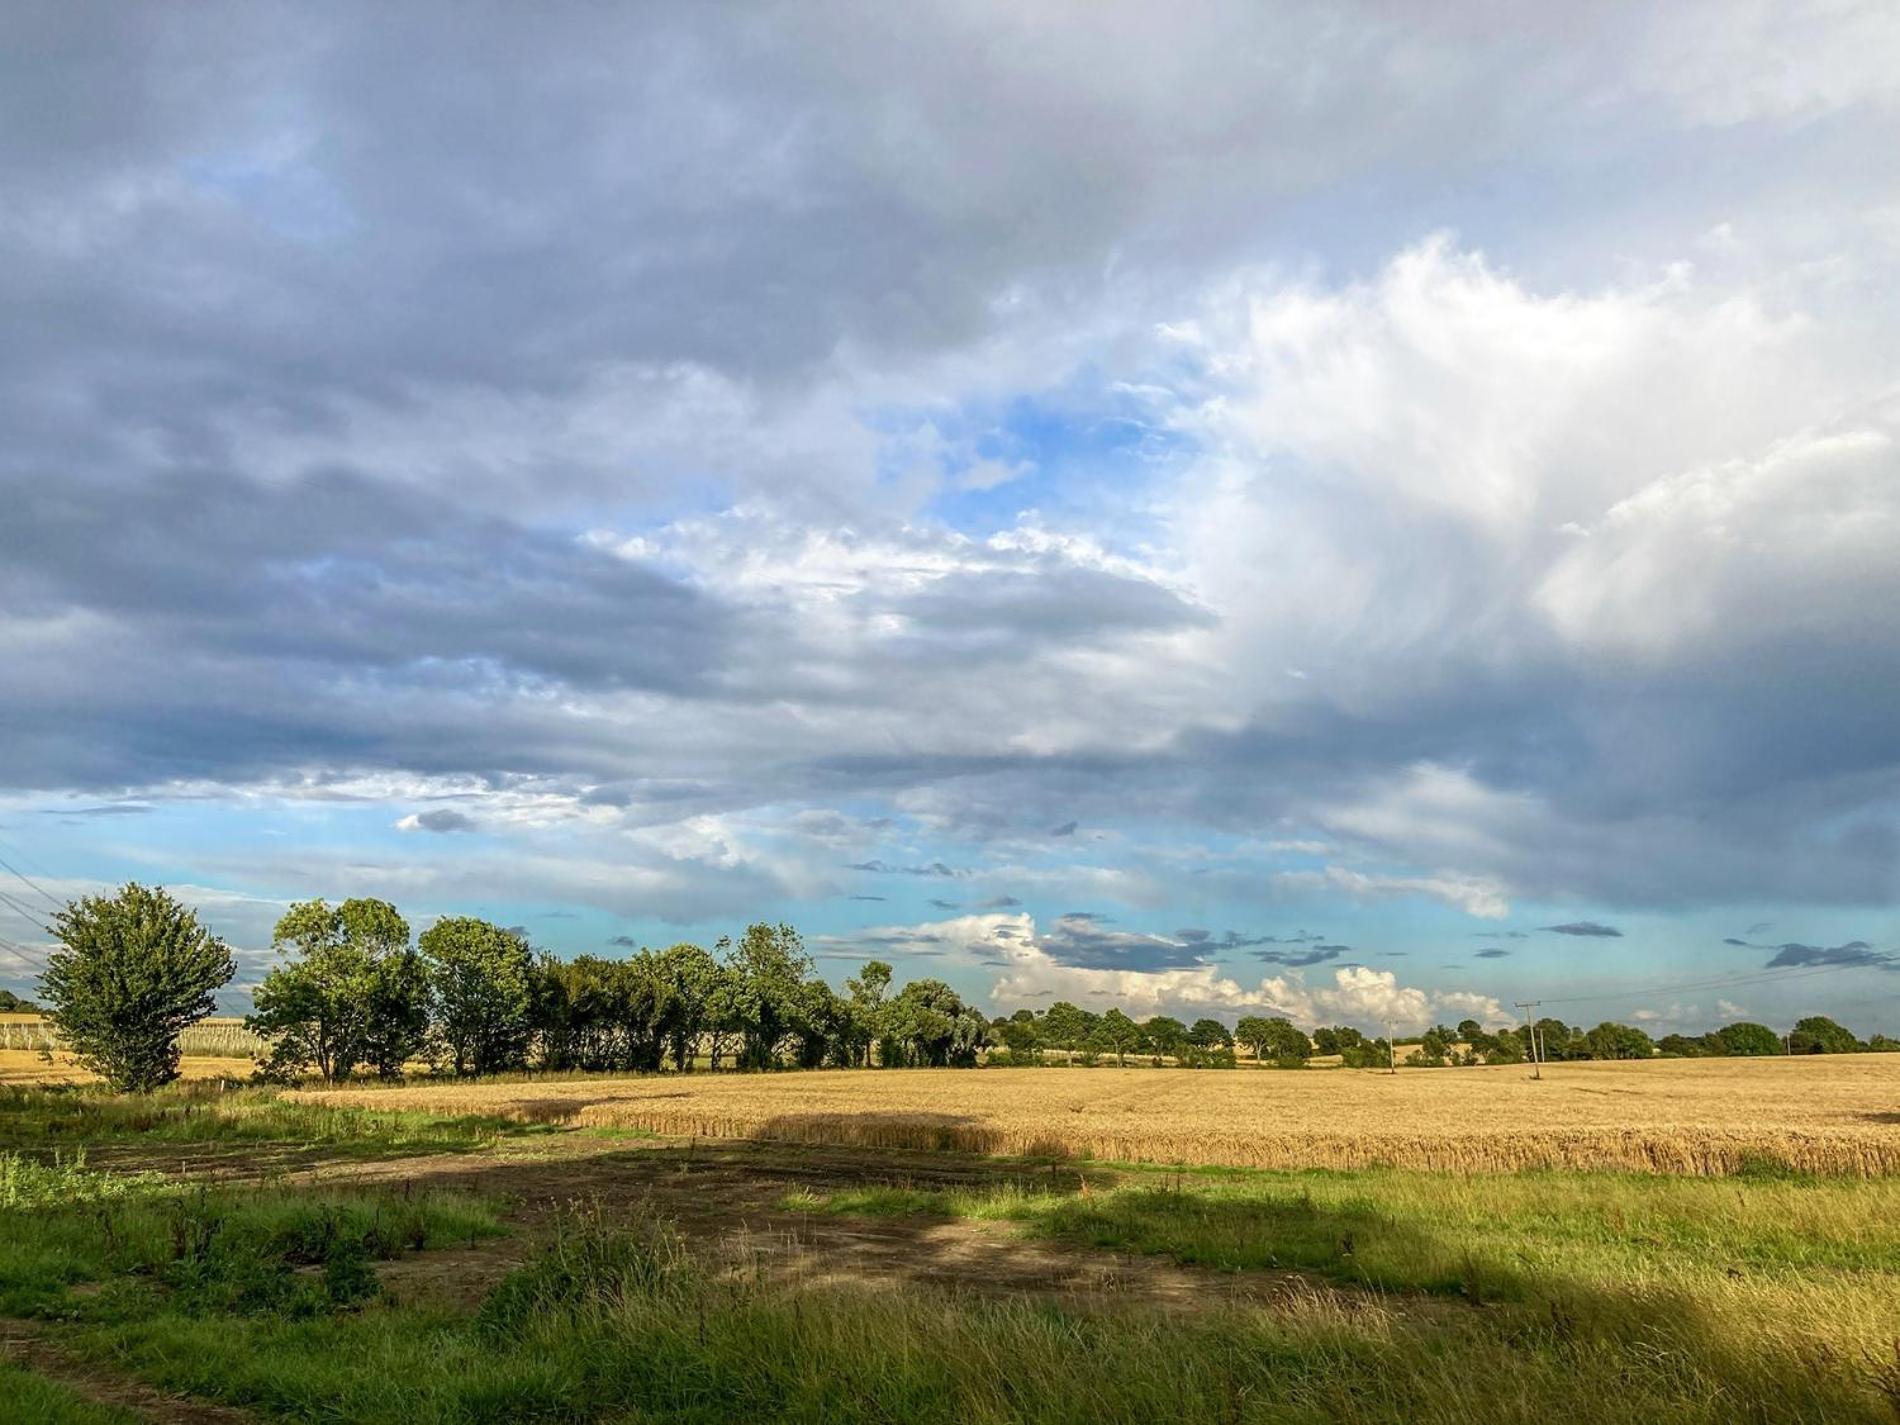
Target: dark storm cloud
<point>1588,929</point>
<point>1066,829</point>
<point>1854,952</point>
<point>1234,940</point>
<point>1082,939</point>
<point>1318,955</point>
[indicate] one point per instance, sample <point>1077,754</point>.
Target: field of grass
<point>1326,1295</point>
<point>1836,1114</point>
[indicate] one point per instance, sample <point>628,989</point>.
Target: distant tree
<point>1507,1048</point>
<point>1021,1034</point>
<point>133,971</point>
<point>1068,1027</point>
<point>1681,1046</point>
<point>693,979</point>
<point>1276,1038</point>
<point>1475,1038</point>
<point>770,966</point>
<point>1325,1040</point>
<point>1619,1041</point>
<point>1119,1035</point>
<point>869,1008</point>
<point>1165,1036</point>
<point>355,994</point>
<point>1433,1046</point>
<point>1210,1034</point>
<point>1882,1044</point>
<point>1817,1034</point>
<point>10,1003</point>
<point>931,1026</point>
<point>481,977</point>
<point>1750,1040</point>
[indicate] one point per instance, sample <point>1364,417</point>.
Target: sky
<point>1366,512</point>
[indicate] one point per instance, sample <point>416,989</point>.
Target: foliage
<point>356,994</point>
<point>1750,1039</point>
<point>480,977</point>
<point>132,972</point>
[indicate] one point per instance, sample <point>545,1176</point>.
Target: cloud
<point>1023,455</point>
<point>1588,929</point>
<point>1494,953</point>
<point>1474,895</point>
<point>1854,952</point>
<point>1317,955</point>
<point>998,903</point>
<point>442,819</point>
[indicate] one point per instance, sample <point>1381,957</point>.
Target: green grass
<point>208,1111</point>
<point>1495,1235</point>
<point>1590,1298</point>
<point>159,1246</point>
<point>622,1325</point>
<point>44,1402</point>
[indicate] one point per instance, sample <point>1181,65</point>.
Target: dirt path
<point>29,1344</point>
<point>725,1196</point>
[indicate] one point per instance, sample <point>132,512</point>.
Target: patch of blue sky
<point>1090,450</point>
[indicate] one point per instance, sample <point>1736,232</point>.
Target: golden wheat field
<point>211,1048</point>
<point>1833,1114</point>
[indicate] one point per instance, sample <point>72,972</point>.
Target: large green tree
<point>1748,1040</point>
<point>132,972</point>
<point>481,977</point>
<point>355,994</point>
<point>1817,1034</point>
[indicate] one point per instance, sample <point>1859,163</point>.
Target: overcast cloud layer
<point>993,484</point>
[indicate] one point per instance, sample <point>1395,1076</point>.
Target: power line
<point>1729,982</point>
<point>27,880</point>
<point>26,912</point>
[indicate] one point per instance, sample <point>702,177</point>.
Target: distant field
<point>1827,1114</point>
<point>211,1047</point>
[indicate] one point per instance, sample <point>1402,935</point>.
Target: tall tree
<point>132,972</point>
<point>481,979</point>
<point>355,993</point>
<point>770,966</point>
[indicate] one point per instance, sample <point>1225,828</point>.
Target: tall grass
<point>213,1112</point>
<point>620,1330</point>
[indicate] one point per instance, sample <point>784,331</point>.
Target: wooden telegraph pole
<point>1530,1025</point>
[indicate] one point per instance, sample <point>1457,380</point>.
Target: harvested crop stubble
<point>1831,1114</point>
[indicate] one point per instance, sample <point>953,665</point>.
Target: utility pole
<point>1391,1050</point>
<point>1530,1025</point>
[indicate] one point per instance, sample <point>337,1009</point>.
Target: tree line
<point>358,994</point>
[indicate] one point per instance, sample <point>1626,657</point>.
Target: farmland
<point>212,1048</point>
<point>1823,1114</point>
<point>219,1252</point>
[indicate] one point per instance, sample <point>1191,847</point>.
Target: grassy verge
<point>622,1324</point>
<point>145,1246</point>
<point>211,1111</point>
<point>44,1402</point>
